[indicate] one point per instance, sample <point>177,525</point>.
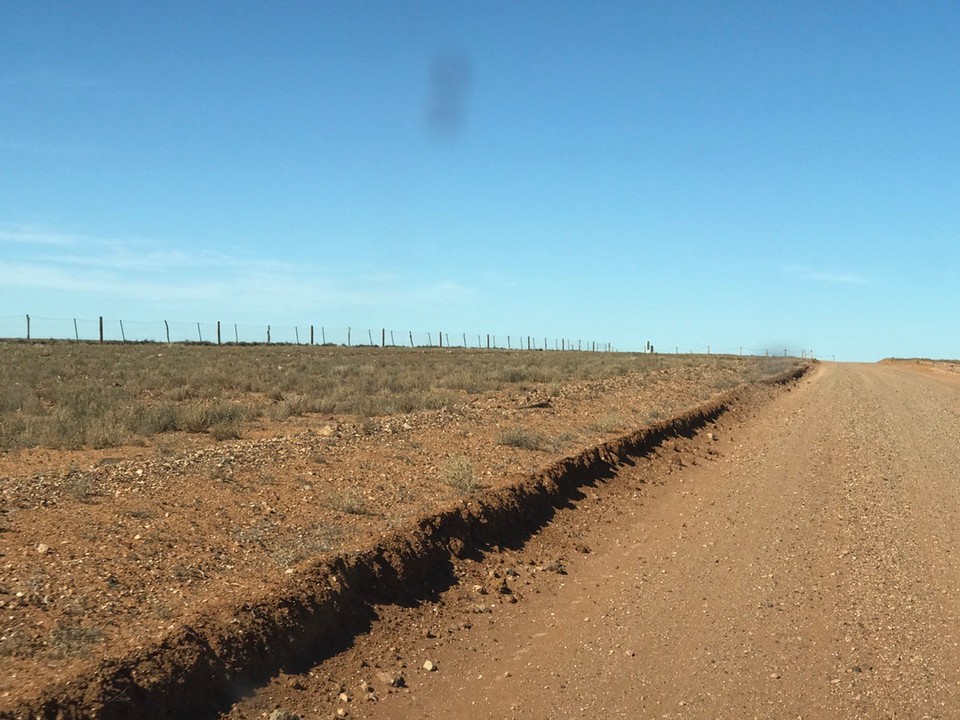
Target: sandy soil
<point>798,560</point>
<point>108,553</point>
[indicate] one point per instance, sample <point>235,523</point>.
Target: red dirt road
<point>804,563</point>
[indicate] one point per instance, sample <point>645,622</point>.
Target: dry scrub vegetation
<point>76,395</point>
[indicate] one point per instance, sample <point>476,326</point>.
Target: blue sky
<point>755,174</point>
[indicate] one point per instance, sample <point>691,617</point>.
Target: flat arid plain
<point>545,535</point>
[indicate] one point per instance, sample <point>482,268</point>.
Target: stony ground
<point>104,552</point>
<point>798,560</point>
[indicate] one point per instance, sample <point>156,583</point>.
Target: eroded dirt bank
<point>803,563</point>
<point>189,609</point>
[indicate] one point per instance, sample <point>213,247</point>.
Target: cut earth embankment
<point>197,669</point>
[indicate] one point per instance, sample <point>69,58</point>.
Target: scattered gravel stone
<point>391,679</point>
<point>556,567</point>
<point>281,714</point>
<point>429,666</point>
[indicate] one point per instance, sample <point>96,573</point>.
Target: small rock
<point>429,634</point>
<point>775,676</point>
<point>390,679</point>
<point>43,548</point>
<point>429,666</point>
<point>343,697</point>
<point>365,686</point>
<point>281,714</point>
<point>342,712</point>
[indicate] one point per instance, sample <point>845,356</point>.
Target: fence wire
<point>105,329</point>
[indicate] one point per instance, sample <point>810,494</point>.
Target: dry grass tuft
<point>75,395</point>
<point>522,438</point>
<point>457,472</point>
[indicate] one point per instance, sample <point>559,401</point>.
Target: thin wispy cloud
<point>118,271</point>
<point>31,235</point>
<point>804,272</point>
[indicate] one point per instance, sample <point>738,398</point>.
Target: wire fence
<point>31,327</point>
<point>101,329</point>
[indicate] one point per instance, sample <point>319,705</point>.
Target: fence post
<point>236,334</point>
<point>199,334</point>
<point>370,335</point>
<point>296,333</point>
<point>392,343</point>
<point>218,332</point>
<point>268,334</point>
<point>123,335</point>
<point>348,337</point>
<point>76,333</point>
<point>28,327</point>
<point>323,335</point>
<point>488,341</point>
<point>440,338</point>
<point>311,334</point>
<point>101,328</point>
<point>166,325</point>
<point>429,340</point>
<point>411,339</point>
<point>464,340</point>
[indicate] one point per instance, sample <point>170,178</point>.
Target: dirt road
<point>802,562</point>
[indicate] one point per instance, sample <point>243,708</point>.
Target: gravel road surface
<point>802,561</point>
